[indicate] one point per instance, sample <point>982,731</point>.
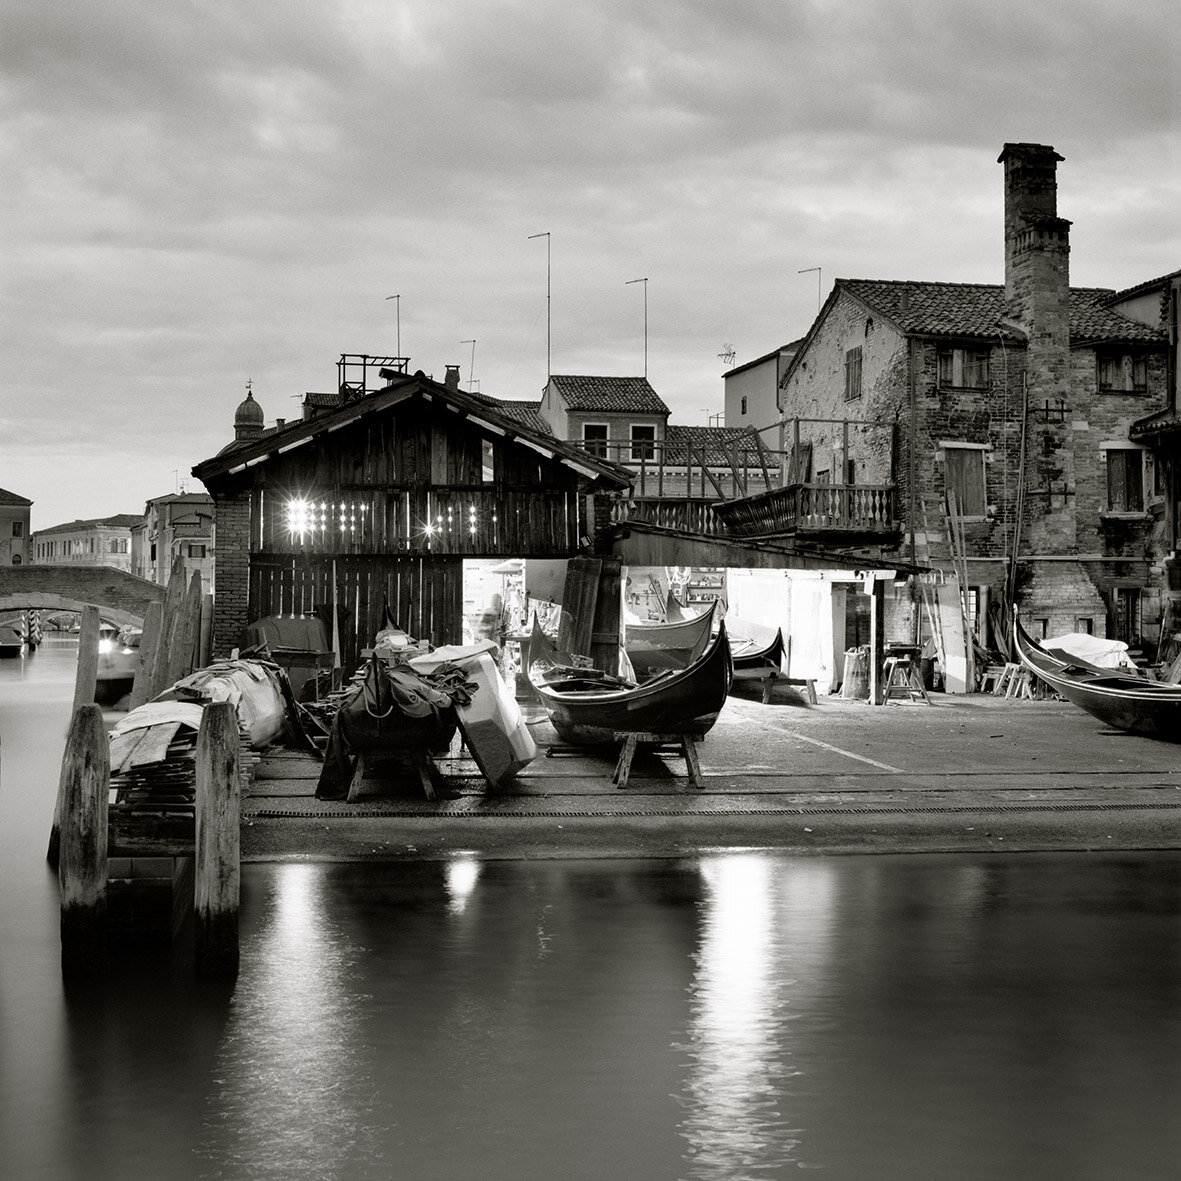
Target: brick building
<point>1019,404</point>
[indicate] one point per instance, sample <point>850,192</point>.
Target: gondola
<point>586,706</point>
<point>754,659</point>
<point>1122,700</point>
<point>656,647</point>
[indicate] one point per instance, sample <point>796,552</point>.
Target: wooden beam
<point>87,675</point>
<point>149,641</point>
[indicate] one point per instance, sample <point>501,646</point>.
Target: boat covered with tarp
<point>1122,699</point>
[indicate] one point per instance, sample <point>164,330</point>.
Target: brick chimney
<point>451,380</point>
<point>1037,270</point>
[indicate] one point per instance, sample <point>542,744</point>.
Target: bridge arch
<point>119,596</point>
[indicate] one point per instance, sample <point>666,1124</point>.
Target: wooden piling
<point>218,873</point>
<point>142,687</point>
<point>82,864</point>
<point>87,674</point>
<point>188,622</point>
<point>85,680</point>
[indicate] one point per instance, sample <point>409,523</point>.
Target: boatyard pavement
<point>965,773</point>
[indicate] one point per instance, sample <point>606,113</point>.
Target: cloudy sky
<point>199,193</point>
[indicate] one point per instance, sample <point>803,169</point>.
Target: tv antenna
<point>472,370</point>
<point>728,354</point>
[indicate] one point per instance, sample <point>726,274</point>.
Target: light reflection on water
<point>741,1015</point>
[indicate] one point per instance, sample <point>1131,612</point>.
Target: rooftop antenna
<point>645,282</point>
<point>398,312</point>
<point>472,369</point>
<point>727,354</point>
<point>549,365</point>
<point>807,271</point>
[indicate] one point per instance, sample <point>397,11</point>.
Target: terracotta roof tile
<point>612,394</point>
<point>977,309</point>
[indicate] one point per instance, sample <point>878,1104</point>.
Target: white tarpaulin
<point>1092,649</point>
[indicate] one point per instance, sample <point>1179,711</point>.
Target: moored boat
<point>11,640</point>
<point>1119,699</point>
<point>587,706</point>
<point>656,647</point>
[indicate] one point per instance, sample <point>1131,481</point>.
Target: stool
<point>902,680</point>
<point>685,744</point>
<point>1020,684</point>
<point>1008,675</point>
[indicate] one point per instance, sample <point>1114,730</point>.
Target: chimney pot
<point>451,380</point>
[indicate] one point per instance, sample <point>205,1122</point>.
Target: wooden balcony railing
<point>811,508</point>
<point>695,515</point>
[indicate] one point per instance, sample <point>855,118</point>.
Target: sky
<point>199,194</point>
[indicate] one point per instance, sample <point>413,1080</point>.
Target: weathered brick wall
<point>1061,593</point>
<point>232,553</point>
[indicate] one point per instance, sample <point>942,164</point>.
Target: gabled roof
<point>12,498</point>
<point>502,418</point>
<point>119,521</point>
<point>1141,288</point>
<point>978,310</point>
<point>627,395</point>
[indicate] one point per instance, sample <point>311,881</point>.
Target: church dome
<point>248,417</point>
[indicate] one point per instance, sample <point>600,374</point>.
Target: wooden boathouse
<point>378,496</point>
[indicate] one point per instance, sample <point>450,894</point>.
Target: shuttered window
<point>1125,480</point>
<point>963,368</point>
<point>964,476</point>
<point>1123,372</point>
<point>853,374</point>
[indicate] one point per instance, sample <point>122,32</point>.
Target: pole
<point>549,365</point>
<point>471,373</point>
<point>807,271</point>
<point>645,282</point>
<point>398,313</point>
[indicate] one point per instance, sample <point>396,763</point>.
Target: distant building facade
<point>175,526</point>
<point>752,391</point>
<point>14,528</point>
<point>101,541</point>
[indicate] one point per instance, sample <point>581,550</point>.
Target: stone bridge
<point>119,597</point>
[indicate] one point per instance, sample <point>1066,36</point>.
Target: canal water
<point>739,1015</point>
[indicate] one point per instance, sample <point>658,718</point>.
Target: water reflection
<point>292,1078</point>
<point>763,943</point>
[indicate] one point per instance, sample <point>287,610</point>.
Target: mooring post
<point>142,689</point>
<point>84,685</point>
<point>218,873</point>
<point>87,676</point>
<point>82,863</point>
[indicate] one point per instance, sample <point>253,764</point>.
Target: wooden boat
<point>654,648</point>
<point>587,706</point>
<point>770,657</point>
<point>12,641</point>
<point>1119,699</point>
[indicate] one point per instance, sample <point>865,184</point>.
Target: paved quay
<point>975,773</point>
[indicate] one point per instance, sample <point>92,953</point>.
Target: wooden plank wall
<point>425,595</point>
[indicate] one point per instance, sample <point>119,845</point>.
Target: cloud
<point>204,193</point>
